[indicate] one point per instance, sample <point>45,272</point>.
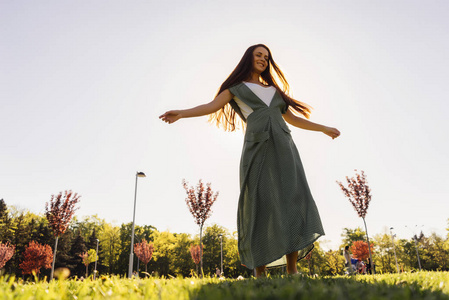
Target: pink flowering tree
<point>6,252</point>
<point>88,257</point>
<point>59,213</point>
<point>144,252</point>
<point>195,252</point>
<point>359,194</point>
<point>200,202</point>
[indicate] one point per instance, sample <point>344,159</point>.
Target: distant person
<point>363,270</point>
<point>277,216</point>
<point>354,264</point>
<point>359,266</point>
<point>218,272</point>
<point>348,263</point>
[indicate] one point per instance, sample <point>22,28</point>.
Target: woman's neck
<point>254,78</point>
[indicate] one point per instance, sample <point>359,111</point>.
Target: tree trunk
<point>369,249</point>
<point>87,271</point>
<point>54,258</point>
<point>201,250</point>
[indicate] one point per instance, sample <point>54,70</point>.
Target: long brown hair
<point>226,117</point>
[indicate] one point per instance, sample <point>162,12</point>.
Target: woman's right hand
<point>332,132</point>
<point>200,110</point>
<point>171,116</point>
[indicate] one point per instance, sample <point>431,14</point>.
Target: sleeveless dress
<point>276,211</point>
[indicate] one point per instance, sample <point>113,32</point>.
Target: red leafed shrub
<point>36,256</point>
<point>6,252</point>
<point>360,250</point>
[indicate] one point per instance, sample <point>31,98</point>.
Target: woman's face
<point>260,60</point>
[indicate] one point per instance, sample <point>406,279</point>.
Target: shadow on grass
<point>312,289</point>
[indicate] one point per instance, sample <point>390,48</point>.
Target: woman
<point>348,263</point>
<point>277,218</point>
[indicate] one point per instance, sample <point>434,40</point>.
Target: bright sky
<point>83,84</point>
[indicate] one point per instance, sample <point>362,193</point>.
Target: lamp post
<point>415,238</point>
<point>417,253</point>
<point>138,259</point>
<point>394,248</point>
<point>131,255</point>
<point>95,269</point>
<point>221,251</point>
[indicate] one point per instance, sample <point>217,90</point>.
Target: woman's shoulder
<point>235,87</point>
<point>238,84</point>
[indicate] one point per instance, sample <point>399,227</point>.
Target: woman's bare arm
<point>201,110</point>
<point>308,125</point>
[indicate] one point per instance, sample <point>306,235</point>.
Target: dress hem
<point>287,252</point>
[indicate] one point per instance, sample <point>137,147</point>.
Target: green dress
<point>276,211</point>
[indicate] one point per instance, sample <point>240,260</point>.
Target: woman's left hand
<point>332,132</point>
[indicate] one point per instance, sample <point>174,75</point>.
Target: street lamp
<point>416,245</point>
<point>394,248</point>
<point>95,270</point>
<point>221,246</point>
<point>131,255</point>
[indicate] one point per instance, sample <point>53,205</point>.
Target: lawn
<point>421,285</point>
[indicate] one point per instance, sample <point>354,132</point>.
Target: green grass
<point>422,285</point>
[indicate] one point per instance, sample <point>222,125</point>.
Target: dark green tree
<point>20,239</point>
<point>3,210</point>
<point>6,232</point>
<point>232,266</point>
<point>92,244</point>
<point>64,245</point>
<point>212,249</point>
<point>352,235</point>
<point>75,262</point>
<point>124,249</point>
<point>183,263</point>
<point>43,233</point>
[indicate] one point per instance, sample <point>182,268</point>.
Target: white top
<point>265,94</point>
<point>347,256</point>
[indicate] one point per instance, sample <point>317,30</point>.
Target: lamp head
<point>141,174</point>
